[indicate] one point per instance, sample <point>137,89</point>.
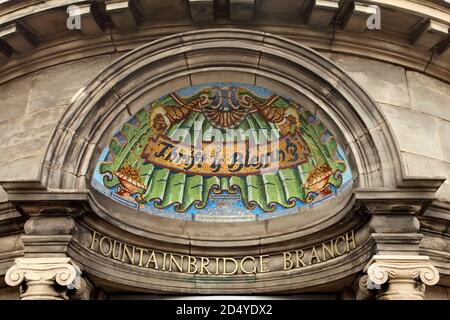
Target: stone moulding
<point>148,280</point>
<point>186,58</point>
<point>123,34</point>
<point>189,58</point>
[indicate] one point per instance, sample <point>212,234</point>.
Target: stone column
<point>398,271</point>
<point>44,278</point>
<point>45,271</point>
<point>401,277</point>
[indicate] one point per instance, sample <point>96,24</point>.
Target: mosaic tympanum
<point>222,152</point>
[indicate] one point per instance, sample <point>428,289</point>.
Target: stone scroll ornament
<point>222,148</point>
<point>381,271</point>
<point>40,274</point>
<point>403,276</point>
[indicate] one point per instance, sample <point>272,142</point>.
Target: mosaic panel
<point>222,152</point>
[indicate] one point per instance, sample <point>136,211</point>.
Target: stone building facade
<point>94,206</point>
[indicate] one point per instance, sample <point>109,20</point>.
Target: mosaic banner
<point>226,158</point>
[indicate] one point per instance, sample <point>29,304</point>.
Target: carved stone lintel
<point>44,278</point>
<point>404,277</point>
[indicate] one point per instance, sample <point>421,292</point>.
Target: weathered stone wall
<point>437,293</point>
<point>417,108</point>
<point>9,293</point>
<point>31,107</point>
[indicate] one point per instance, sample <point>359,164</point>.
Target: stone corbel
<point>443,47</point>
<point>5,52</point>
<point>44,278</point>
<point>429,34</point>
<point>92,17</point>
<point>401,277</point>
<point>202,10</point>
<point>18,37</point>
<point>242,10</point>
<point>357,16</point>
<point>123,14</point>
<point>320,13</point>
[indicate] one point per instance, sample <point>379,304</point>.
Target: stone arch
<point>226,55</point>
<point>258,58</point>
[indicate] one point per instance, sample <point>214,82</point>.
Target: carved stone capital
<point>384,268</point>
<point>363,289</point>
<point>44,278</point>
<point>404,277</point>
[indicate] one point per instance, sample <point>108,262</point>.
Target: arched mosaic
<point>222,152</point>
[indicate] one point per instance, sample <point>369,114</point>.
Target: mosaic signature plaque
<point>222,152</point>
